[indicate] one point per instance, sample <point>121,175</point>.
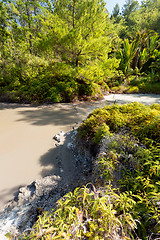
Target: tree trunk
<point>77,62</point>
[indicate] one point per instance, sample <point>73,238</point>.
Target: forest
<point>62,51</point>
<point>67,50</point>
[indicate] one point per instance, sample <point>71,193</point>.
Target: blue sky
<point>111,3</point>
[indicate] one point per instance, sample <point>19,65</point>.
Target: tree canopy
<point>60,50</point>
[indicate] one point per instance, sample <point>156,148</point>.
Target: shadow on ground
<point>61,161</point>
<point>46,116</point>
<point>50,163</point>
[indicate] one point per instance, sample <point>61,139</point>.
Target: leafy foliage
<point>55,56</point>
<point>87,213</point>
<point>128,163</point>
<point>77,41</point>
<point>143,121</point>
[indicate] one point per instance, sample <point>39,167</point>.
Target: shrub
<point>86,214</point>
<point>55,95</point>
<point>135,169</point>
<point>134,89</point>
<point>129,164</point>
<point>101,132</point>
<point>143,121</point>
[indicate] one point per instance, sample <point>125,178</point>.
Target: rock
<point>59,137</point>
<point>25,193</point>
<point>21,212</point>
<point>69,145</point>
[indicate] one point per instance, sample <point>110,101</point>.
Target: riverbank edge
<point>20,213</point>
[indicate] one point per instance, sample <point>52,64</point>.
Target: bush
<point>55,95</point>
<point>149,87</point>
<point>135,169</point>
<point>132,163</point>
<point>86,214</point>
<point>143,121</point>
<point>134,89</point>
<point>42,83</point>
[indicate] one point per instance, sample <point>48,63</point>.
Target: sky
<point>110,4</point>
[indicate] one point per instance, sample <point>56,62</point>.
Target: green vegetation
<point>124,200</point>
<point>142,121</point>
<point>86,214</point>
<point>139,178</point>
<point>144,85</point>
<point>60,51</point>
<point>131,159</point>
<point>65,50</point>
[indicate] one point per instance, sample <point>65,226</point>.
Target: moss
<point>115,89</point>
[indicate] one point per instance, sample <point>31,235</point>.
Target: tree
<point>116,11</point>
<point>116,16</point>
<point>82,30</point>
<point>129,7</point>
<point>3,22</point>
<point>147,16</point>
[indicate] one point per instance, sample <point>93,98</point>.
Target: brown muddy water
<point>26,141</point>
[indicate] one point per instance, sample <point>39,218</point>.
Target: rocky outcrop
<point>23,211</point>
